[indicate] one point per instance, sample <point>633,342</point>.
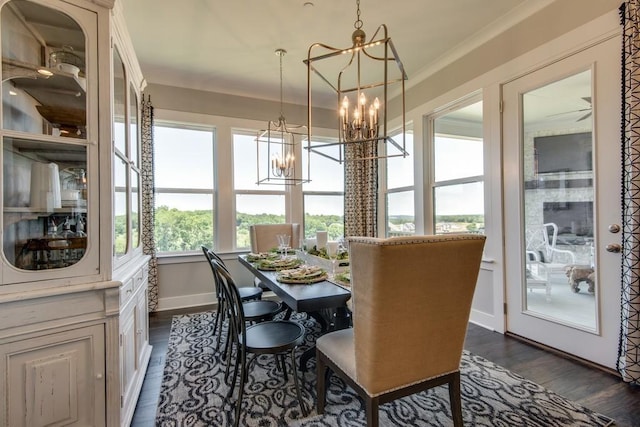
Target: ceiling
<point>229,46</point>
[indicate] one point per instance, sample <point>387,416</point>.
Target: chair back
<point>411,304</point>
<point>263,236</point>
<point>211,257</point>
<point>233,301</point>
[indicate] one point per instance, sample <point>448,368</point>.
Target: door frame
<point>600,346</point>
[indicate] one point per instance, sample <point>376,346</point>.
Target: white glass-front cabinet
<point>73,295</point>
<point>131,267</point>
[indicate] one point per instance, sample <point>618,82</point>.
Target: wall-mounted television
<point>564,153</point>
<point>570,217</point>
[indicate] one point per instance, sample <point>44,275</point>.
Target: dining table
<point>325,301</point>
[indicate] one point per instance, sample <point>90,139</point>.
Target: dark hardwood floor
<point>600,391</point>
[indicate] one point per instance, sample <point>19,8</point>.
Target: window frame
<point>212,192</point>
<point>383,181</point>
<point>321,193</point>
<point>430,164</point>
<point>262,190</point>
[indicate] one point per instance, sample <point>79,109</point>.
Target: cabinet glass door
<point>119,99</point>
<point>45,203</point>
<point>126,161</point>
<point>43,71</point>
<point>44,138</point>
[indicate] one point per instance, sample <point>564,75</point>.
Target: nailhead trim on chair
<point>415,239</point>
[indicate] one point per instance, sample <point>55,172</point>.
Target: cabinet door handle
<point>99,376</point>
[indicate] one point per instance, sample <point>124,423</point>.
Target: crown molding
<point>476,40</point>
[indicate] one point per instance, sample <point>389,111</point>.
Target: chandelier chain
<point>358,23</point>
<point>281,96</point>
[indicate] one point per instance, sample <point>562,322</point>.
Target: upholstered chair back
<point>411,304</point>
<point>263,236</point>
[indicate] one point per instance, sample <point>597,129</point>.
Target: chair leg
<point>456,400</point>
<point>227,357</point>
<point>284,367</point>
<point>371,411</point>
<point>217,321</point>
<point>238,366</point>
<point>303,407</point>
<point>222,318</point>
<point>321,369</point>
<point>228,351</point>
<point>243,363</point>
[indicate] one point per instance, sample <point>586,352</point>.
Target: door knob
<point>614,228</point>
<point>613,247</point>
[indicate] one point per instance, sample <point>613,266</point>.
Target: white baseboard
<point>174,303</point>
<point>482,319</point>
<point>187,301</point>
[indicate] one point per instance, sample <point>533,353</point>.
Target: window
<point>399,197</point>
<point>323,197</point>
<point>184,181</point>
<point>458,186</point>
<point>254,204</point>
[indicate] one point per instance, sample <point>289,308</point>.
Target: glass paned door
<point>557,155</point>
<point>561,195</point>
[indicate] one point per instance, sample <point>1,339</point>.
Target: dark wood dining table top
<point>301,297</point>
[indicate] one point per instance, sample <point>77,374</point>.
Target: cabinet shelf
<point>41,212</point>
<point>62,95</point>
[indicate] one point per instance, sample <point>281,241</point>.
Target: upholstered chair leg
<point>303,407</point>
<point>321,370</point>
<point>456,400</point>
<point>371,411</point>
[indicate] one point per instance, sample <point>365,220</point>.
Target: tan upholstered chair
<point>411,304</point>
<point>263,236</point>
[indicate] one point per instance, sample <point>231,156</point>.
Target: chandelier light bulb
<point>362,126</point>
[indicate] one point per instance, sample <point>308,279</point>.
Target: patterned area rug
<point>193,392</point>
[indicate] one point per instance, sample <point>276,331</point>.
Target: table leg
<point>341,320</point>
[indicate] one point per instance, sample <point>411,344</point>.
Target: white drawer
<point>140,278</point>
<point>126,291</point>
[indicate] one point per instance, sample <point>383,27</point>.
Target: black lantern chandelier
<point>362,84</point>
<point>278,146</point>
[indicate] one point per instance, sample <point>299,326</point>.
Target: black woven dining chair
<point>274,337</point>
